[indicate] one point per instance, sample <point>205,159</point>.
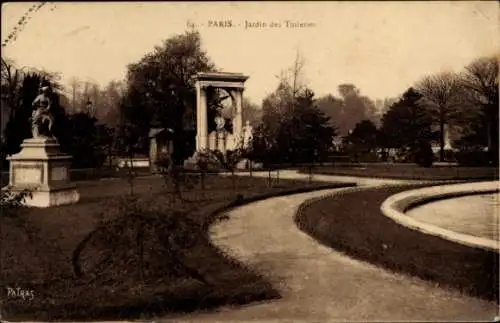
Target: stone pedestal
<point>41,167</point>
<point>221,142</point>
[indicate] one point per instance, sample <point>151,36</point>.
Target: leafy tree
<point>352,107</point>
<point>160,89</point>
<point>406,123</point>
<point>298,135</point>
<point>422,153</point>
<point>356,107</point>
<point>90,142</point>
<point>314,134</point>
<point>251,112</point>
<point>364,136</point>
<point>293,128</point>
<point>332,107</point>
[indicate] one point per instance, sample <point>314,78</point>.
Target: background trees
<point>406,123</point>
<point>480,82</point>
<point>160,90</point>
<point>293,129</point>
<point>292,123</point>
<point>18,126</point>
<point>349,109</point>
<point>79,134</point>
<point>363,139</point>
<point>441,95</point>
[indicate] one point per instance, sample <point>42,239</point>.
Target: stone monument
<point>247,135</point>
<point>233,84</point>
<point>40,166</point>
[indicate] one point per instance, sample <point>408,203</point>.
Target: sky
<point>382,48</point>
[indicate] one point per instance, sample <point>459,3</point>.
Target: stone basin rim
<point>396,205</point>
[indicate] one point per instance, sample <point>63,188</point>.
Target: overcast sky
<point>383,48</point>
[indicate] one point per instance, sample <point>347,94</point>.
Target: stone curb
<point>396,205</point>
<point>396,177</point>
<point>249,200</point>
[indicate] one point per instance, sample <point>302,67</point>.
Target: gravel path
<point>319,284</point>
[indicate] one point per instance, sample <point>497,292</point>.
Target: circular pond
<point>475,215</point>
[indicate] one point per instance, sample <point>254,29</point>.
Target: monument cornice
<point>222,84</point>
<point>220,76</point>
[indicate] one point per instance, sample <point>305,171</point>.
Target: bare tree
<point>480,80</point>
<point>11,80</point>
<point>297,72</point>
<point>292,82</point>
<point>74,84</point>
<point>441,95</point>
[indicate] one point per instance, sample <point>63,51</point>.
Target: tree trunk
<point>233,181</point>
<point>490,141</point>
<point>441,140</point>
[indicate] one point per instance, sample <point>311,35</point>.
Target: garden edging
<point>261,197</point>
<point>396,205</point>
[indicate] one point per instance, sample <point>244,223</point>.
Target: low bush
<point>152,236</point>
<point>134,256</point>
<point>473,157</point>
<point>449,156</point>
<point>422,154</point>
<point>12,201</point>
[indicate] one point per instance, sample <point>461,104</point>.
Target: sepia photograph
<point>261,161</point>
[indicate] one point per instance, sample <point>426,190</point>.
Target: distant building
<point>160,144</point>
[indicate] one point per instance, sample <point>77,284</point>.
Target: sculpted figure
<point>220,122</point>
<point>42,114</point>
<point>247,134</point>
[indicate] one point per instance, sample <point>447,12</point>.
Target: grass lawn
<point>85,261</point>
<point>353,223</point>
<point>408,171</point>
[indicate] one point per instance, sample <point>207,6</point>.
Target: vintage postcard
<point>307,161</point>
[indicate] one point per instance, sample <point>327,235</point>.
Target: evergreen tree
<point>406,122</point>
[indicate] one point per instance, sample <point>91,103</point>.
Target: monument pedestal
<point>43,169</point>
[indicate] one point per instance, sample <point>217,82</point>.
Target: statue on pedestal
<point>42,115</point>
<point>247,134</point>
<point>220,122</point>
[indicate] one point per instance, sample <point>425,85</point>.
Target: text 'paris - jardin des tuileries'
<point>254,24</point>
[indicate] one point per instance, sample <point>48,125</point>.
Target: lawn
<point>353,223</point>
<point>89,261</point>
<point>408,171</point>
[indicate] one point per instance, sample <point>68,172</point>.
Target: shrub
<point>472,157</point>
<point>422,154</point>
<point>136,230</point>
<point>449,156</point>
<point>11,202</point>
<point>368,157</point>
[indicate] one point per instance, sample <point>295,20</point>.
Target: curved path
<point>319,284</point>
